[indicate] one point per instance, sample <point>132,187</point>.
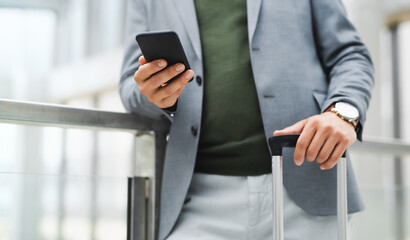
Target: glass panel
<point>63,183</point>
<point>376,184</point>
<point>62,207</point>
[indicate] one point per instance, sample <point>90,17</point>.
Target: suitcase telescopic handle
<point>276,144</point>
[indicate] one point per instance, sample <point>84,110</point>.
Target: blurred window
<point>26,51</point>
<point>404,76</point>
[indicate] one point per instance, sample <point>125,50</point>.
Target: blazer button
<point>194,131</point>
<point>199,80</point>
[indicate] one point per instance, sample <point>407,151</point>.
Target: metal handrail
<point>60,115</point>
<point>63,116</point>
<point>377,145</point>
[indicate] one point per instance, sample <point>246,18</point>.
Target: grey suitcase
<point>276,145</point>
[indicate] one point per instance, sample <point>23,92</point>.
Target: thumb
<point>295,128</point>
<point>142,60</point>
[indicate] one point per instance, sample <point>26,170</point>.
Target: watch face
<point>347,110</point>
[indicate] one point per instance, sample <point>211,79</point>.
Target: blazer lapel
<point>253,8</point>
<point>187,12</point>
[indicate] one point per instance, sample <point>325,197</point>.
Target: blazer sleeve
<point>344,58</point>
<point>133,100</point>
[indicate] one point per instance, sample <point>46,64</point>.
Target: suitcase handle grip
<point>277,143</point>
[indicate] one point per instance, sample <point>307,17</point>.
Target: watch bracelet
<point>334,110</point>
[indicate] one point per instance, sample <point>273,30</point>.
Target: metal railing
<point>376,145</point>
<point>143,186</point>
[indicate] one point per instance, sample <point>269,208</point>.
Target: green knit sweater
<point>232,140</point>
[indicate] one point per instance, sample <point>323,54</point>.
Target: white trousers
<point>240,208</point>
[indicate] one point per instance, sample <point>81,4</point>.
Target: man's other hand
<point>323,138</point>
<point>151,78</point>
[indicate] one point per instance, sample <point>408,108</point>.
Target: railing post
<point>149,152</point>
<point>160,147</point>
<point>137,208</point>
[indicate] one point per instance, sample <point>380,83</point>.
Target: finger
<point>171,100</point>
<point>175,85</point>
<point>142,60</point>
<point>334,158</point>
<point>303,142</point>
<point>295,128</point>
<point>326,150</point>
<point>316,144</point>
<point>147,70</point>
<point>157,81</point>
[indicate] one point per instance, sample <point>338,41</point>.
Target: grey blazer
<point>305,56</point>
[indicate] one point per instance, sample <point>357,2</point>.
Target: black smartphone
<point>163,45</point>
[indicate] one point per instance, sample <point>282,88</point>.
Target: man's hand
<point>323,138</point>
<point>151,78</point>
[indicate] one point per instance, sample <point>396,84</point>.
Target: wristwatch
<point>346,112</point>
